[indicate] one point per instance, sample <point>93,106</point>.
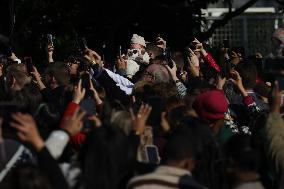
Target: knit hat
<point>211,105</point>
<point>136,39</point>
<point>279,34</point>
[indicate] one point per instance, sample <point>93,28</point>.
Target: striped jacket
<point>165,177</point>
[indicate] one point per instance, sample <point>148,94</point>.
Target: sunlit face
<point>136,46</point>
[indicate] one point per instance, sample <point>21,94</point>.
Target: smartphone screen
<point>29,64</point>
<point>152,154</point>
<point>85,81</point>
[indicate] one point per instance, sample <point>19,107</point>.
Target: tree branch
<point>281,2</point>
<point>226,19</point>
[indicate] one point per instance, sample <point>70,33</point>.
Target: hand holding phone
<point>50,40</point>
<point>29,64</point>
<point>198,46</point>
<point>82,44</point>
<point>85,81</point>
<point>152,154</point>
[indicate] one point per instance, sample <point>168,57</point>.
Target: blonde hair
<point>123,121</point>
<point>19,72</point>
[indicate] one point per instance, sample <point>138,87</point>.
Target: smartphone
<point>152,154</point>
<point>50,39</point>
<point>168,55</point>
<point>170,63</point>
<point>29,64</point>
<point>81,44</point>
<point>85,81</point>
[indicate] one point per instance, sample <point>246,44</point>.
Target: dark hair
<point>19,72</point>
<point>175,115</point>
<point>25,177</point>
<point>27,99</point>
<point>154,49</point>
<point>33,97</point>
<point>47,118</point>
<point>248,74</point>
<point>59,71</point>
<point>179,146</point>
<point>209,168</point>
<point>164,90</point>
<point>104,158</point>
<point>241,154</point>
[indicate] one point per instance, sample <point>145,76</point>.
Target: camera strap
<point>11,162</point>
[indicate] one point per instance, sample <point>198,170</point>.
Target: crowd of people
<point>159,118</point>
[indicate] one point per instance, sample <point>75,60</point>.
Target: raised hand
<point>79,93</point>
<point>97,120</point>
<point>27,130</point>
<point>164,122</point>
<point>198,45</point>
<point>74,124</point>
<point>193,58</point>
<point>121,63</point>
<point>161,43</point>
<point>193,69</point>
<point>173,71</point>
<point>237,80</point>
<point>1,69</point>
<point>139,120</point>
<point>220,82</point>
<point>96,95</point>
<point>93,56</point>
<point>37,77</point>
<point>50,50</point>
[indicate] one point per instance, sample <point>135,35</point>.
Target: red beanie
<point>211,105</point>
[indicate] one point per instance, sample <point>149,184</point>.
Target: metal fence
<point>253,32</point>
